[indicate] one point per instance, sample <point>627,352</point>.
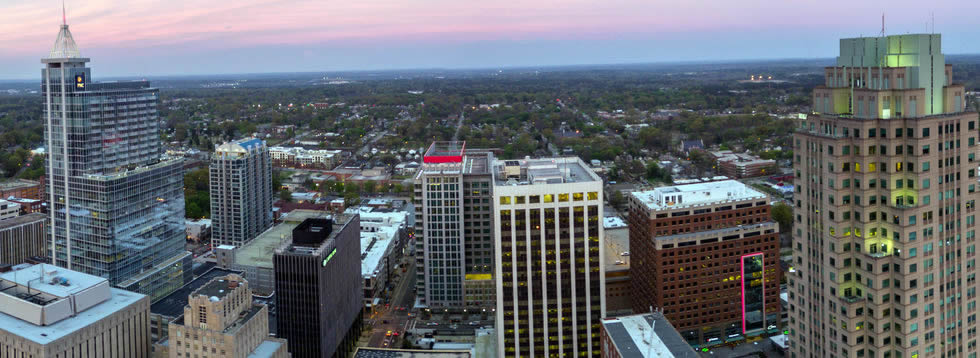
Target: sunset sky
<point>148,37</point>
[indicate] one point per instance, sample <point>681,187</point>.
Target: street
<point>397,313</point>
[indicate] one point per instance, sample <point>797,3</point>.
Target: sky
<point>193,37</point>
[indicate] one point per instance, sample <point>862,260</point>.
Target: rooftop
<point>646,335</point>
<point>317,238</point>
<point>172,305</point>
<point>374,246</point>
<point>265,350</point>
<point>242,146</point>
<point>93,311</point>
<point>529,171</point>
<point>445,152</point>
<point>22,219</point>
<point>17,184</point>
<point>693,195</point>
<point>408,353</point>
<point>259,251</point>
<point>217,288</point>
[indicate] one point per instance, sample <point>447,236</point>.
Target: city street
<point>397,313</point>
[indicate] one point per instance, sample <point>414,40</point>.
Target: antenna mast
<point>64,17</point>
<point>882,24</point>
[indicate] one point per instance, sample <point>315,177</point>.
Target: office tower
<point>116,204</point>
<point>707,255</point>
<point>648,335</point>
<point>550,278</point>
<point>49,311</point>
<point>220,320</point>
<point>885,216</point>
<point>453,227</point>
<point>318,287</point>
<point>23,237</point>
<point>241,192</point>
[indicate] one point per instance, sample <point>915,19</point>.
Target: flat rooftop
<point>17,184</point>
<point>265,350</point>
<point>22,219</point>
<point>442,152</point>
<point>259,251</point>
<point>172,305</point>
<point>693,195</point>
<point>535,171</point>
<point>646,335</point>
<point>218,287</point>
<point>374,245</point>
<point>77,282</point>
<point>407,353</point>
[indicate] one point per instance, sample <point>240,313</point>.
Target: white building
<point>8,210</point>
<point>48,311</point>
<point>548,234</point>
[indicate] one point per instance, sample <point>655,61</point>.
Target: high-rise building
<point>241,192</point>
<point>220,320</point>
<point>319,300</point>
<point>48,311</point>
<point>549,273</point>
<point>23,237</point>
<point>707,255</point>
<point>884,241</point>
<point>116,204</point>
<point>453,227</point>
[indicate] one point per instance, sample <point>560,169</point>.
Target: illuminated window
<point>593,195</point>
<point>578,196</point>
<point>518,200</point>
<point>562,198</point>
<point>504,200</point>
<point>857,167</point>
<point>549,198</point>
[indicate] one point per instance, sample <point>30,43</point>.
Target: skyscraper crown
<point>64,45</point>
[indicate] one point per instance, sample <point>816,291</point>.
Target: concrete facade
<point>241,192</point>
<point>549,276</point>
<point>22,237</point>
<point>886,182</point>
<point>221,321</point>
<point>70,314</point>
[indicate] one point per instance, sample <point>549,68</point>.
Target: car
<point>388,334</point>
<point>474,323</point>
<point>625,253</point>
<point>432,324</point>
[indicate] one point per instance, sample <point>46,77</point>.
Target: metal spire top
<point>64,45</point>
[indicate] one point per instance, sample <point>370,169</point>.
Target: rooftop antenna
<point>882,24</point>
<point>64,17</point>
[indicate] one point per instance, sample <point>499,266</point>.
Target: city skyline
<point>300,36</point>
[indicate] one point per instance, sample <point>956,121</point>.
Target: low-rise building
<point>198,230</point>
<point>8,210</point>
<point>220,320</point>
<point>255,258</point>
<point>383,235</point>
<point>48,311</point>
<point>28,206</point>
<point>305,158</point>
<point>21,188</point>
<point>648,335</point>
<point>743,165</point>
<point>23,237</point>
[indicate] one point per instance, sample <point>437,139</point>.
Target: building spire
<point>64,45</point>
<point>64,16</point>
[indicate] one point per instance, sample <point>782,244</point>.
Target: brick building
<point>707,254</point>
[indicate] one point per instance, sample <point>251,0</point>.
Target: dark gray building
<point>241,192</point>
<point>318,287</point>
<point>116,203</point>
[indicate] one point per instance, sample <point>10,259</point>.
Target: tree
<point>783,214</point>
<point>285,195</point>
<point>617,200</point>
<point>369,186</point>
<point>655,172</point>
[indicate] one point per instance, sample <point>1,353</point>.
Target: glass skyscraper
<point>116,204</point>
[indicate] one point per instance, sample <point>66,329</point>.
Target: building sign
<point>80,81</point>
<point>329,257</point>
